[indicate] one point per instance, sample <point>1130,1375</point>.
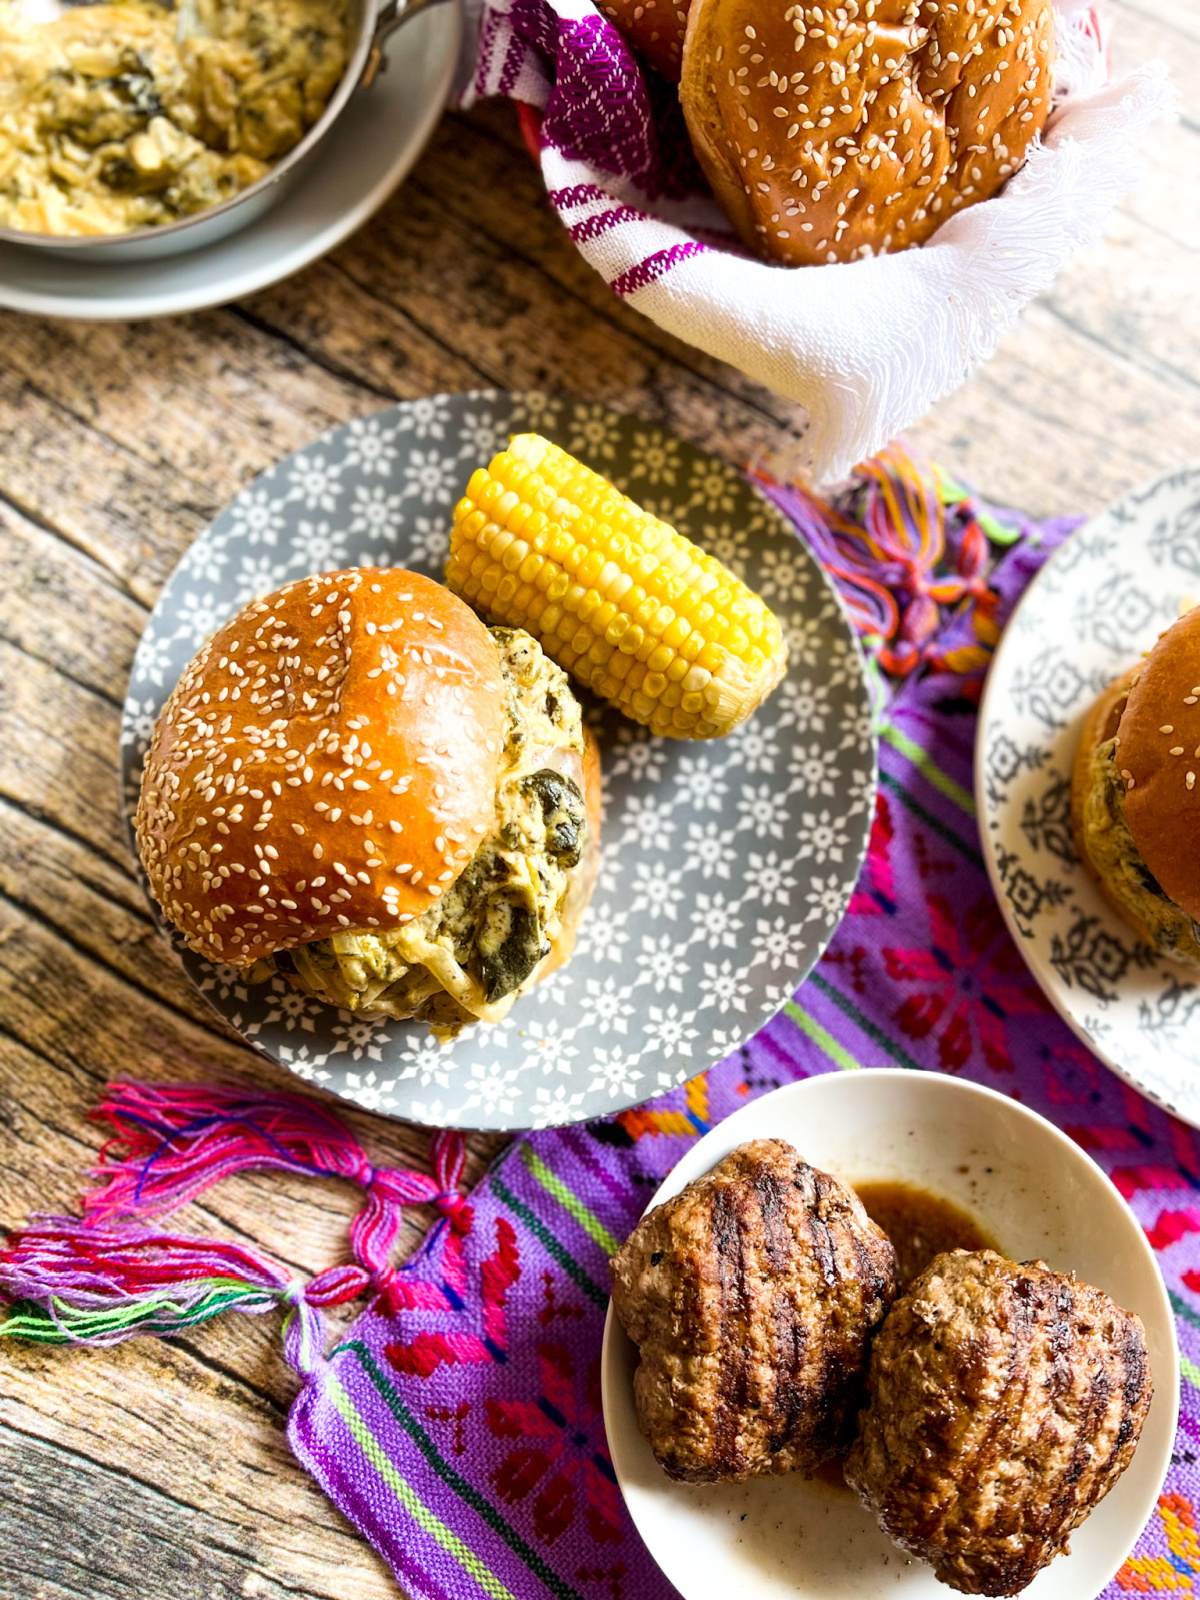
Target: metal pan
<point>370,26</point>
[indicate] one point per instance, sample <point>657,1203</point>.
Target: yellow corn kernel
<point>612,594</point>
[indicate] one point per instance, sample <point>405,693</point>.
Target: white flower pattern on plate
<point>706,911</point>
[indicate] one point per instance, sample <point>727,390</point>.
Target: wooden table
<point>161,1469</point>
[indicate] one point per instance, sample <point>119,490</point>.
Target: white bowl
<point>1037,1195</point>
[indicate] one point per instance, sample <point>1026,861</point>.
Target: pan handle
<point>392,14</point>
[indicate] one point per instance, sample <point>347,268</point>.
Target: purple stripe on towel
<point>603,221</point>
<point>655,267</point>
<point>578,195</point>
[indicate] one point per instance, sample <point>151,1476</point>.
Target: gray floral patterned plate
<point>1096,605</point>
<point>726,865</point>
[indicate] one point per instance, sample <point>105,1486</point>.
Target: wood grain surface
<point>161,1470</point>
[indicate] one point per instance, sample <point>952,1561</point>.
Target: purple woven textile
<point>463,1434</point>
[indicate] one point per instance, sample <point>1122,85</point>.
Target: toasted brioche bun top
<point>327,762</point>
<point>655,29</point>
<point>832,132</point>
<point>1158,756</point>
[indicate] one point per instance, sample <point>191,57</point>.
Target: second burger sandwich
<point>358,786</point>
<point>1135,793</point>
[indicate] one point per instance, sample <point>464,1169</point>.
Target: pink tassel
<point>178,1139</point>
<point>81,1281</point>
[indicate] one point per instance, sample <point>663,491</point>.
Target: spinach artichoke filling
<point>1115,856</point>
<point>475,950</point>
<point>133,115</point>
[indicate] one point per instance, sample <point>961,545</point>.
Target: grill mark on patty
<point>818,1229</point>
<point>1022,1305</point>
<point>777,1236</point>
<point>732,1311</point>
<point>789,1334</point>
<point>1133,1389</point>
<point>787,1394</point>
<point>1085,1381</point>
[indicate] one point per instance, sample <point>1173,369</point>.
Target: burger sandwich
<point>1135,793</point>
<point>830,133</point>
<point>357,786</point>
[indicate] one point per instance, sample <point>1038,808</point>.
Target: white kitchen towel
<point>866,347</point>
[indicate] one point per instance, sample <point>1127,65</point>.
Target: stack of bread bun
<point>834,131</point>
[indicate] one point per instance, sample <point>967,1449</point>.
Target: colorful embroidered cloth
<point>458,1422</point>
<point>463,1434</point>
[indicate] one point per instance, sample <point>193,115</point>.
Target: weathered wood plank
<point>351,332</point>
<point>1055,423</point>
<point>58,753</point>
<point>208,396</point>
<point>1162,200</point>
<point>130,517</point>
<point>526,331</point>
<point>172,1450</point>
<point>96,1534</point>
<point>63,609</point>
<point>1170,21</point>
<point>96,904</point>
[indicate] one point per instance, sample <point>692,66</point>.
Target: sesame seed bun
<point>828,133</point>
<point>326,763</point>
<point>655,29</point>
<point>1160,748</point>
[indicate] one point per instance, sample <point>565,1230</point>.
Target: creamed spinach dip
<point>481,945</point>
<point>118,117</point>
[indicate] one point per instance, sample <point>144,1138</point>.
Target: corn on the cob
<point>619,599</point>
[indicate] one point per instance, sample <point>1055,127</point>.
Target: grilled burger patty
<point>752,1296</point>
<point>1004,1400</point>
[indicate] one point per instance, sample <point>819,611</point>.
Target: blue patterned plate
<point>1096,605</point>
<point>726,864</point>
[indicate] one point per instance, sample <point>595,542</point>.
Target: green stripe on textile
<point>553,1185</point>
<point>899,1055</point>
<point>1190,1370</point>
<point>559,1251</point>
<point>1182,1309</point>
<point>465,1491</point>
<point>408,1498</point>
<point>823,1040</point>
<point>930,821</point>
<point>161,1315</point>
<point>912,751</point>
